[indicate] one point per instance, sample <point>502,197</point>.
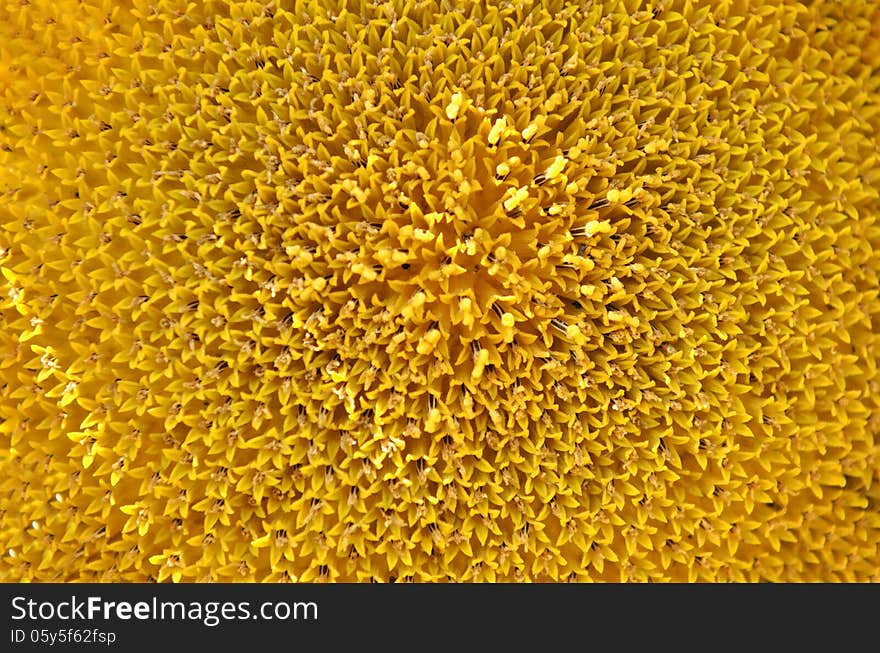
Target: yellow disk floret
<point>439,291</point>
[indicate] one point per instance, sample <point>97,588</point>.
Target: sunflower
<point>422,290</point>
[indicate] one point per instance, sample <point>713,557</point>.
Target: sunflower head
<point>406,290</point>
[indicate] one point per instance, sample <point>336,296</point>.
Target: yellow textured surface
<point>352,291</point>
